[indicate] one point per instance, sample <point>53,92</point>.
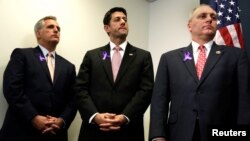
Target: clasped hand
<point>109,121</point>
<point>47,124</point>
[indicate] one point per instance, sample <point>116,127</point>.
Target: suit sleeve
<point>70,111</point>
<point>82,99</point>
<point>141,100</point>
<point>160,102</point>
<point>13,87</point>
<point>243,72</point>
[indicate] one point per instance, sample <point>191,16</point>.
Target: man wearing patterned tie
<point>37,85</point>
<point>114,85</point>
<point>200,86</point>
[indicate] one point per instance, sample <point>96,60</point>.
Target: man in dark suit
<point>112,108</point>
<point>39,102</point>
<point>184,106</point>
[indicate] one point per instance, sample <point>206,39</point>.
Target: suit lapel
<point>129,55</point>
<point>215,54</point>
<point>42,60</point>
<point>187,57</point>
<point>104,55</point>
<point>58,67</point>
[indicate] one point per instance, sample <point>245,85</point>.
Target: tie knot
<point>202,48</point>
<point>117,48</point>
<point>50,54</point>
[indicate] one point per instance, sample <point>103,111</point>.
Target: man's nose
<point>56,29</point>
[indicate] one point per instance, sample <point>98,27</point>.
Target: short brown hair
<point>107,16</point>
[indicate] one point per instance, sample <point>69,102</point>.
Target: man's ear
<point>37,34</point>
<point>106,28</point>
<point>189,27</point>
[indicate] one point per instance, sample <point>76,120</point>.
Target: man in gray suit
<point>112,105</point>
<point>186,105</point>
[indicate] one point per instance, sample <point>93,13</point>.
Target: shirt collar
<point>45,51</point>
<point>122,45</point>
<point>207,45</point>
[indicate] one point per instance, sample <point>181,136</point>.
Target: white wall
<point>82,29</point>
<point>168,26</point>
<point>167,29</point>
<point>159,26</point>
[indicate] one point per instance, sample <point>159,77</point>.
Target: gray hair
<point>191,15</point>
<point>39,24</point>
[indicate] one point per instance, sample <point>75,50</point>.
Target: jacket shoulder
<point>64,60</point>
<point>22,51</point>
<point>175,51</point>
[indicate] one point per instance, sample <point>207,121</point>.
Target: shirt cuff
<point>159,138</point>
<point>92,117</point>
<point>126,118</point>
<point>64,123</point>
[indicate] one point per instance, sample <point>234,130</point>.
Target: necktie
<point>116,61</point>
<point>50,65</point>
<point>201,61</point>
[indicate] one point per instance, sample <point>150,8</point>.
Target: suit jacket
<point>219,99</point>
<point>130,94</point>
<point>29,91</point>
